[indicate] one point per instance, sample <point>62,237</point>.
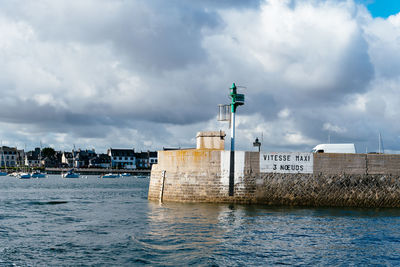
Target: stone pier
<point>290,179</point>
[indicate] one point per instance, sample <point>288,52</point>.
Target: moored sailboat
<point>24,176</point>
<point>110,175</point>
<point>71,174</point>
<point>38,174</point>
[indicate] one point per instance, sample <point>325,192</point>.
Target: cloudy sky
<point>150,73</point>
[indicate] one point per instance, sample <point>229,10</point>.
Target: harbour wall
<point>334,180</point>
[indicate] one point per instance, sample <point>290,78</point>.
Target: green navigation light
<point>237,99</point>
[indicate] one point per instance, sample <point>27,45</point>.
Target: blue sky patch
<point>382,8</point>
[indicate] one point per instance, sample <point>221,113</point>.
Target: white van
<point>334,148</point>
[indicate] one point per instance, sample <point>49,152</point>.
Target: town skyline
<point>151,73</point>
<point>48,157</point>
<point>32,147</point>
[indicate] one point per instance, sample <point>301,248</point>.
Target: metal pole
<point>232,156</point>
<point>162,186</point>
<point>233,130</point>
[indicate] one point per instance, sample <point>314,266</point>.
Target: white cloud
<point>307,47</point>
<point>150,74</point>
<point>284,113</point>
<point>334,128</point>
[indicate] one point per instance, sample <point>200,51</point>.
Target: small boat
<point>38,174</point>
<point>125,174</point>
<point>110,175</point>
<point>71,174</point>
<point>24,175</point>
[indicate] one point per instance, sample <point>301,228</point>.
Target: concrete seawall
<point>336,180</point>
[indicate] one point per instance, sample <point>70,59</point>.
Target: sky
<point>381,8</point>
<point>148,74</point>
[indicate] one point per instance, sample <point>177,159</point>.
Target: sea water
<point>89,221</point>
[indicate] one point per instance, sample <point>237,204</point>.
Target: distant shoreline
<point>97,171</point>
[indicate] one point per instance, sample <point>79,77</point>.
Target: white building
<point>8,156</point>
<point>122,158</point>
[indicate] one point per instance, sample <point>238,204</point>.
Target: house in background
<point>101,161</point>
<point>153,157</point>
<point>82,157</point>
<point>67,159</point>
<point>144,160</point>
<point>20,157</point>
<point>32,158</point>
<point>8,156</point>
<point>77,158</point>
<point>52,161</point>
<point>141,160</point>
<point>122,158</point>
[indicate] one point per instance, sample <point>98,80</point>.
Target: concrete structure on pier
<point>210,140</point>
